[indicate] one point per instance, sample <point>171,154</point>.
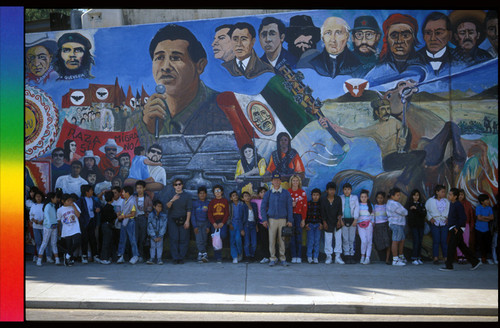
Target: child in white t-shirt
<point>68,215</point>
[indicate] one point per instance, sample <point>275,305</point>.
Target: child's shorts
<point>398,232</point>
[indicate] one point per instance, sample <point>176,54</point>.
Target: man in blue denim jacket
<point>276,211</point>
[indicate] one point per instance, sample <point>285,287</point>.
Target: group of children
<point>327,217</point>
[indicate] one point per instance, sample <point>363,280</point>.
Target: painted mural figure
<point>73,59</point>
<point>39,58</point>
<point>70,153</point>
<point>389,135</point>
<point>110,149</point>
<point>222,45</point>
<point>90,164</point>
<point>491,26</point>
<point>468,34</point>
<point>336,58</point>
<point>72,182</point>
<point>437,55</point>
<point>285,160</point>
<point>188,106</point>
<point>398,54</point>
<point>148,168</point>
<point>271,37</point>
<point>246,62</point>
<point>302,35</point>
<point>58,167</point>
<point>365,38</point>
<point>251,164</point>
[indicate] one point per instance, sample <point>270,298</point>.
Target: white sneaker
<point>420,261</point>
<point>309,259</point>
<point>294,260</point>
<point>134,260</point>
<point>58,261</point>
<point>338,260</point>
<point>39,262</point>
<point>49,259</point>
<point>299,260</point>
<point>84,260</point>
<point>235,260</point>
<point>402,259</point>
<point>328,259</point>
<point>35,258</point>
<point>264,260</point>
<point>120,260</point>
<point>104,262</point>
<point>490,261</point>
<point>367,261</point>
<point>315,260</point>
<point>362,260</point>
<point>398,263</point>
<point>97,259</point>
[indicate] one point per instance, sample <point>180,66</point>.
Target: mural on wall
<point>379,99</point>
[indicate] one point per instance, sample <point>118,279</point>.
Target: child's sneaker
<point>294,260</point>
<point>58,261</point>
<point>420,261</point>
<point>134,260</point>
<point>310,260</point>
<point>402,259</point>
<point>264,260</point>
<point>398,262</point>
<point>35,258</point>
<point>199,258</point>
<point>367,261</point>
<point>49,259</point>
<point>204,257</point>
<point>104,262</point>
<point>235,260</point>
<point>362,260</point>
<point>97,259</point>
<point>150,261</point>
<point>84,259</point>
<point>338,260</point>
<point>415,262</point>
<point>120,260</point>
<point>299,260</point>
<point>328,259</point>
<point>315,260</point>
<point>160,262</point>
<point>39,261</point>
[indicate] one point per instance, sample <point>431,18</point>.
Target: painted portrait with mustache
<point>73,58</point>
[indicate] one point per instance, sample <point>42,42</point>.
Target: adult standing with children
<point>179,209</point>
<point>277,211</point>
<point>299,203</point>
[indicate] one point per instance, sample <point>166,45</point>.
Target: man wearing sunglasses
<point>58,167</point>
<point>179,207</point>
<point>148,168</point>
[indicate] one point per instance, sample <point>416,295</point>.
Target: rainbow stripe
<point>11,164</point>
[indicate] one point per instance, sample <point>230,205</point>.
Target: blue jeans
<point>250,238</point>
<point>313,236</point>
<point>418,235</point>
<point>223,235</point>
<point>235,241</point>
<point>439,235</point>
<point>296,240</point>
<point>128,232</point>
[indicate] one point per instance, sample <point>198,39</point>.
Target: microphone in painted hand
<point>160,89</point>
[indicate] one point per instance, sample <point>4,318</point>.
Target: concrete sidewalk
<point>312,288</point>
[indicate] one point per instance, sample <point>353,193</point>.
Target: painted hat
<point>90,153</point>
<point>458,17</point>
<point>366,23</point>
<point>111,143</point>
<point>74,37</point>
<point>276,175</point>
<point>43,41</point>
<point>302,24</point>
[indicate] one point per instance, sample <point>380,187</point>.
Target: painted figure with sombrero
<point>302,35</point>
<point>110,149</point>
<point>39,55</point>
<point>468,34</point>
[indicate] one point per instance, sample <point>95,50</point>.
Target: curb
<point>396,309</point>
